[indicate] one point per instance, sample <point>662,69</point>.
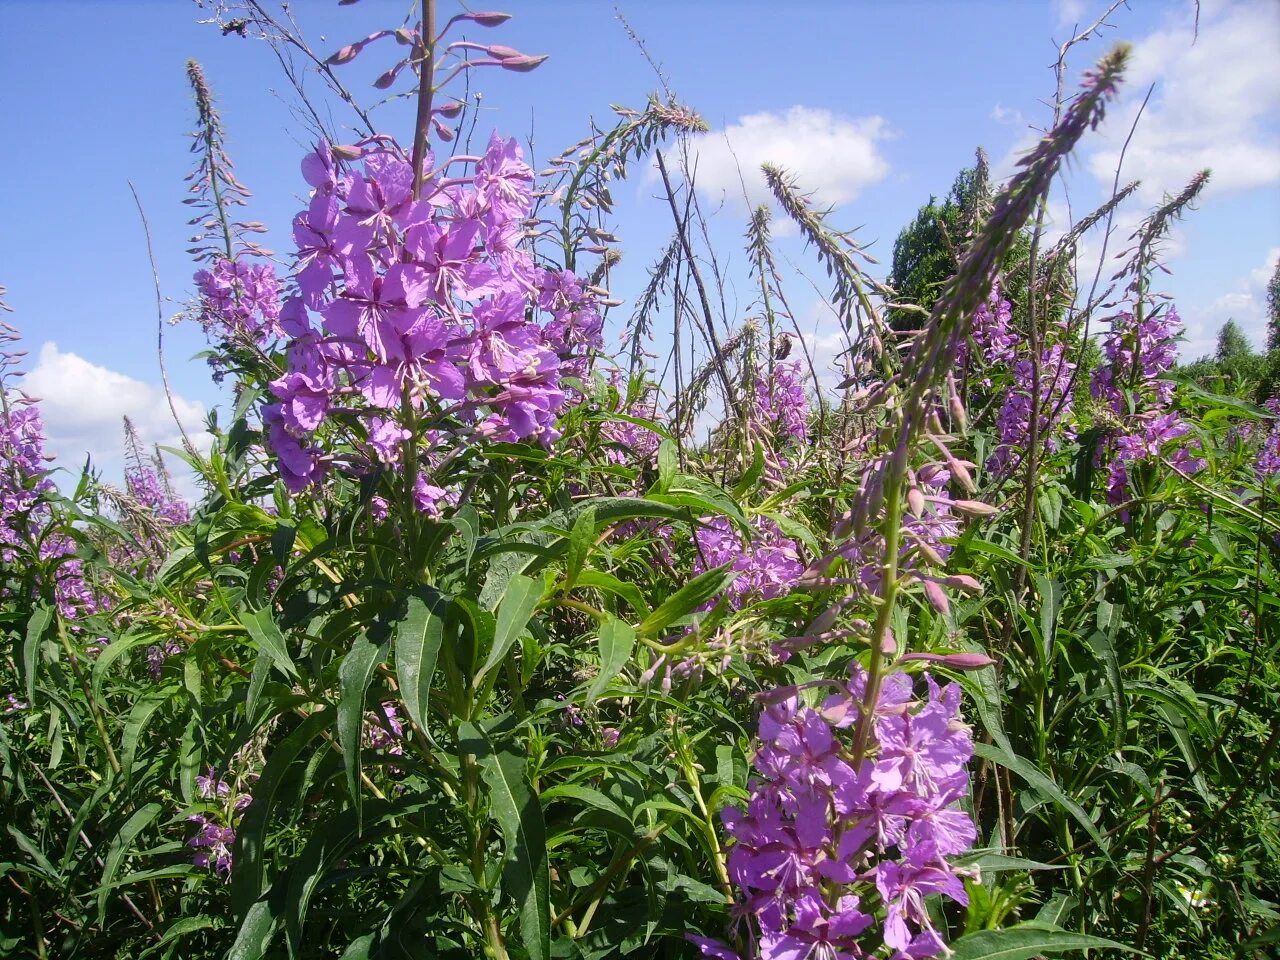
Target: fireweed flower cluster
<point>780,403</point>
<point>1138,351</point>
<point>149,489</point>
<point>989,330</point>
<point>767,567</point>
<point>1269,453</point>
<point>780,411</point>
<point>215,831</point>
<point>1013,422</point>
<point>240,301</point>
<point>997,350</point>
<point>384,730</point>
<point>833,855</point>
<point>424,305</point>
<point>25,514</point>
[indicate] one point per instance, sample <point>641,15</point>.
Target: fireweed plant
<point>493,636</point>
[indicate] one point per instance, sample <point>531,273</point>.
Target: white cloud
<point>1215,105</point>
<point>1071,13</point>
<point>1010,115</point>
<point>835,156</point>
<point>1246,305</point>
<point>83,406</point>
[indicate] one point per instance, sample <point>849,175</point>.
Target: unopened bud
<point>915,501</point>
<point>973,508</point>
<point>964,582</point>
<point>956,661</point>
<point>489,18</point>
<point>937,597</point>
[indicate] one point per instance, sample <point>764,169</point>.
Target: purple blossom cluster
<point>146,486</point>
<point>631,442</point>
<point>25,514</point>
<point>240,300</point>
<point>780,404</point>
<point>157,654</point>
<point>989,330</point>
<point>834,854</point>
<point>384,730</point>
<point>215,831</point>
<point>1269,452</point>
<point>1013,422</point>
<point>767,568</point>
<point>1137,353</point>
<point>425,303</point>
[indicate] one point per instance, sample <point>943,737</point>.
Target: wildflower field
<point>518,620</point>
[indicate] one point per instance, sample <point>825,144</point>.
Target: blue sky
<point>875,105</point>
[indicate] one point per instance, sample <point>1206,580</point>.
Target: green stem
<point>426,88</point>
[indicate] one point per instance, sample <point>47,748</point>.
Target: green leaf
<point>28,846</point>
<point>1040,783</point>
<point>754,472</point>
<point>282,539</point>
<point>1105,651</point>
<point>1026,941</point>
<point>142,712</point>
<point>467,523</point>
<point>360,948</point>
<point>119,849</point>
<point>617,639</point>
<point>519,817</point>
<point>36,627</point>
<point>584,795</point>
<point>1050,602</point>
<point>180,928</point>
<point>992,861</point>
<point>688,598</point>
<point>257,930</point>
<point>112,652</point>
<point>354,676</point>
<point>418,639</point>
<point>251,834</point>
<point>262,628</point>
<point>611,584</point>
<point>514,610</point>
<point>668,464</point>
<point>581,539</point>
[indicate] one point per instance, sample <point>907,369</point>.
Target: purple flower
<point>240,300</point>
<point>814,823</point>
<point>28,525</point>
<point>781,405</point>
<point>766,568</point>
<point>421,301</point>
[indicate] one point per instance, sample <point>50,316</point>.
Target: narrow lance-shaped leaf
<point>354,676</point>
<point>1026,941</point>
<point>418,638</point>
<point>36,627</point>
<point>119,848</point>
<point>514,610</point>
<point>617,639</point>
<point>688,598</point>
<point>519,817</point>
<point>261,626</point>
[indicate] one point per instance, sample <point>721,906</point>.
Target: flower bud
<point>973,508</point>
<point>937,597</point>
<point>956,661</point>
<point>915,501</point>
